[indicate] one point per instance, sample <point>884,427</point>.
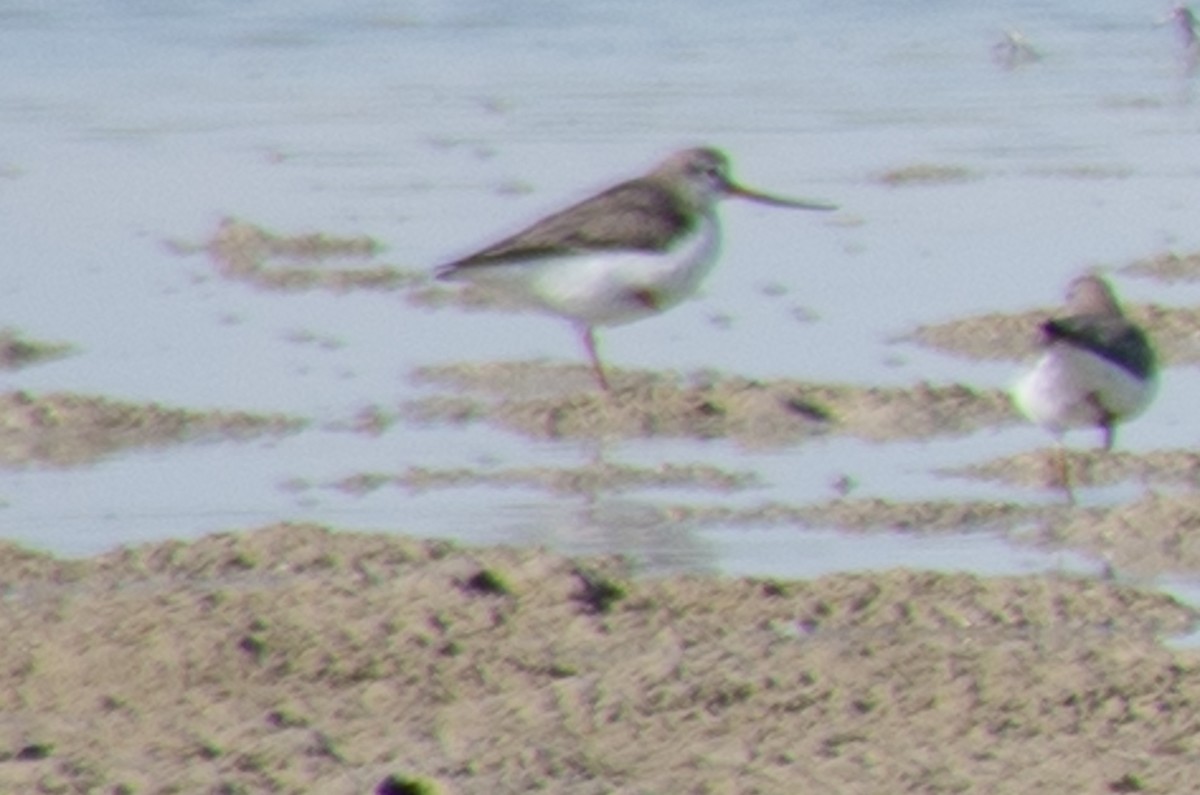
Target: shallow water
<point>434,127</point>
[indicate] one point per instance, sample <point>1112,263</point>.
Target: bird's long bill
<point>776,201</point>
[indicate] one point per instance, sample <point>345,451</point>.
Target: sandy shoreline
<point>297,659</point>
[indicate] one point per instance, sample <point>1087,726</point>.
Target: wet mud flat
<point>69,429</point>
<point>297,659</point>
<point>63,429</point>
<point>548,401</point>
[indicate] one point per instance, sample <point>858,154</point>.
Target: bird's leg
<point>589,342</point>
<point>1107,421</point>
<point>1108,424</point>
<point>1064,472</point>
<point>1110,434</point>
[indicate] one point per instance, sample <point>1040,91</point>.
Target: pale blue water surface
<point>435,126</point>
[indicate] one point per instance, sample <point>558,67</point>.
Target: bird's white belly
<point>606,288</point>
<point>1062,389</point>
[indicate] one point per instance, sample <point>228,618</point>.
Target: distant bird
<point>1014,50</point>
<point>1184,21</point>
<point>1098,369</point>
<point>632,251</point>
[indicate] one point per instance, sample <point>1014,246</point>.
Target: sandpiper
<point>1014,50</point>
<point>629,252</point>
<point>1098,369</point>
<point>1184,20</point>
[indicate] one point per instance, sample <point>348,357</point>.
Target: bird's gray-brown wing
<point>1113,339</point>
<point>639,215</point>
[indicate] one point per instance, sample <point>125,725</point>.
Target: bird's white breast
<point>610,287</point>
<point>1057,393</point>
